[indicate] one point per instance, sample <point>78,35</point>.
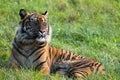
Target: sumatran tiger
<point>31,49</point>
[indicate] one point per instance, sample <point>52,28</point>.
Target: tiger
<point>31,49</point>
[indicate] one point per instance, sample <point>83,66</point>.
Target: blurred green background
<point>90,28</point>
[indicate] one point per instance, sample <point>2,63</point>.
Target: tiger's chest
<point>28,57</point>
<point>32,56</point>
<point>27,60</point>
<point>28,63</point>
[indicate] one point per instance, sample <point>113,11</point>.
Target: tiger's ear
<point>22,13</point>
<point>45,13</point>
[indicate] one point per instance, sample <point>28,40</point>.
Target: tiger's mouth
<point>41,37</point>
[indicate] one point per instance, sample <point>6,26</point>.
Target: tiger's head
<point>35,25</point>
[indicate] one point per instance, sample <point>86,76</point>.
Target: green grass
<point>90,28</point>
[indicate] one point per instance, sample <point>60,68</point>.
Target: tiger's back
<point>73,65</point>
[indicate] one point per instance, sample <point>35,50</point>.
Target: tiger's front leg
<point>45,70</point>
<point>13,64</point>
<point>43,65</point>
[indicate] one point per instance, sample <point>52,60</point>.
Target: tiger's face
<point>35,25</point>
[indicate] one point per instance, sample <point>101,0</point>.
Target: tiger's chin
<point>41,39</point>
<point>47,39</point>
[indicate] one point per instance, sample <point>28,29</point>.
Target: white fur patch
<point>41,39</point>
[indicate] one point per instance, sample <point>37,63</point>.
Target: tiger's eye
<point>45,23</point>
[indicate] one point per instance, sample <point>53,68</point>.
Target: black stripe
<point>35,50</point>
<point>81,73</point>
<point>85,73</point>
<point>58,58</point>
<point>38,57</point>
<point>43,44</point>
<point>96,64</point>
<point>15,46</point>
<point>72,69</point>
<point>84,64</point>
<point>40,64</point>
<point>68,56</point>
<point>80,57</point>
<point>63,68</point>
<point>80,64</point>
<point>23,21</point>
<point>74,57</point>
<point>97,68</point>
<point>50,52</point>
<point>63,57</point>
<point>91,67</point>
<point>17,60</point>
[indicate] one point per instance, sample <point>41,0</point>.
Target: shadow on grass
<point>3,60</point>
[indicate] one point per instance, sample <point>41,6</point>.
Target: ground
<point>90,28</point>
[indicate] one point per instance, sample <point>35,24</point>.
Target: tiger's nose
<point>42,31</point>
